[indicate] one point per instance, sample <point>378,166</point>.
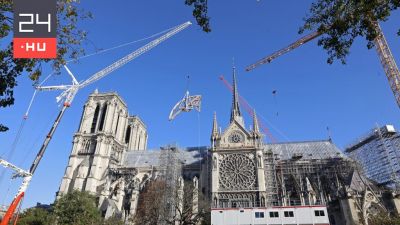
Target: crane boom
<point>388,63</point>
<point>18,170</point>
<point>27,176</point>
<point>385,55</point>
<point>133,55</point>
<point>53,88</point>
<point>282,51</point>
<point>68,94</point>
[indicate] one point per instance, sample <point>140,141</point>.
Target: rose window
<point>236,137</point>
<point>237,172</point>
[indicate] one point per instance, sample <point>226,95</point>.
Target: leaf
<point>341,22</point>
<point>69,44</point>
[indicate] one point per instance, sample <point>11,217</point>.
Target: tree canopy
<point>200,10</point>
<point>382,219</point>
<point>340,21</point>
<point>75,208</point>
<point>69,40</point>
<point>36,216</point>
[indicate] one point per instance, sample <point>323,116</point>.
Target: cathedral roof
<point>305,150</point>
<point>148,158</point>
<point>141,158</point>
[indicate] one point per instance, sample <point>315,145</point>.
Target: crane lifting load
<point>188,103</point>
<point>68,94</point>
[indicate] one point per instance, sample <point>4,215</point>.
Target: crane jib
<point>133,55</point>
<point>68,94</point>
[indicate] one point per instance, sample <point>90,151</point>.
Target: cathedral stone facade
<point>109,158</point>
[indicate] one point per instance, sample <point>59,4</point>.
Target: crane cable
<point>25,117</point>
<point>22,124</point>
<point>35,142</point>
<point>7,192</point>
<point>16,140</point>
<point>122,45</point>
<point>9,154</point>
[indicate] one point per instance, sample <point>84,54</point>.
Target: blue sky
<point>311,94</point>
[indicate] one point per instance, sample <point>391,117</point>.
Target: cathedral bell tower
<point>105,132</point>
<point>238,178</point>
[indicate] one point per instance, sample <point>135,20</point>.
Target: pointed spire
<point>256,128</point>
<point>235,111</point>
<point>215,127</point>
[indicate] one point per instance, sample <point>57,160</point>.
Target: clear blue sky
<point>311,94</point>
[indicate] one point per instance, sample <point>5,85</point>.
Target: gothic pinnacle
<point>215,127</point>
<point>256,128</point>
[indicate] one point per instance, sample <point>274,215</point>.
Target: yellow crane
<point>382,48</point>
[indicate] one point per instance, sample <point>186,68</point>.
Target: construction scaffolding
<point>305,173</point>
<point>378,153</point>
<point>312,182</point>
<point>171,171</point>
<point>271,182</point>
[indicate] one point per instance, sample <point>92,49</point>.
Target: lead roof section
<point>284,151</point>
<point>148,158</point>
<point>305,150</point>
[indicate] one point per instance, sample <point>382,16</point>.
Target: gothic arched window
<point>128,135</point>
<point>87,147</point>
<point>95,116</point>
<point>116,126</point>
<point>138,146</point>
<point>103,117</point>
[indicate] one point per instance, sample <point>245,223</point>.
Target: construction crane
<point>382,48</point>
<point>27,176</point>
<point>68,94</point>
<point>249,110</point>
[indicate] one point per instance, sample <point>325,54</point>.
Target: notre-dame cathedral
<point>109,158</point>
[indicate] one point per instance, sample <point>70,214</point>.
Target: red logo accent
<point>44,48</point>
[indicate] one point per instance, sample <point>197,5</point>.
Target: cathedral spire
<point>235,111</point>
<point>215,127</point>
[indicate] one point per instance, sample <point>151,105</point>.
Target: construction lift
<point>68,94</point>
<point>382,48</point>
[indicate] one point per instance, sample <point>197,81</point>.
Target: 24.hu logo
<point>35,29</point>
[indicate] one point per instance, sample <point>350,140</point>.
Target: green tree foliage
<point>384,220</point>
<point>75,208</point>
<point>114,220</point>
<point>36,216</point>
<point>78,208</point>
<point>341,21</point>
<point>200,9</point>
<point>69,38</point>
